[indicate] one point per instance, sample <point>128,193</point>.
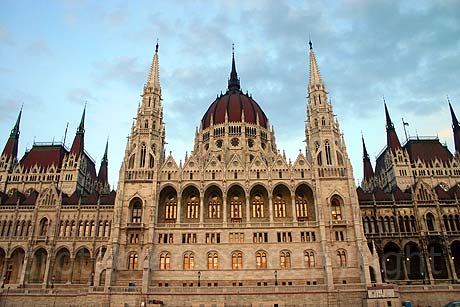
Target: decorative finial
<point>233,49</point>
<point>311,45</point>
<point>156,47</point>
<point>384,99</point>
<point>448,100</point>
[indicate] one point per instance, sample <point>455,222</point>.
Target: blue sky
<point>55,55</point>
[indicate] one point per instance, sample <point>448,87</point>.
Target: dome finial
<point>233,82</point>
<point>156,47</point>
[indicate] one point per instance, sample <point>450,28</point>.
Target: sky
<point>55,56</point>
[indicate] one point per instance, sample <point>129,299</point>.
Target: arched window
<point>285,260</point>
<point>301,204</point>
<point>430,222</point>
<point>133,261</point>
<point>280,206</point>
<point>261,260</point>
<point>165,261</point>
<point>171,207</point>
<point>236,207</point>
<point>213,261</point>
<point>309,259</point>
<point>81,229</point>
<point>320,158</point>
<point>67,229</point>
<point>336,209</point>
<point>87,229</point>
<point>327,148</point>
<point>189,261</point>
<point>339,158</point>
<point>43,227</point>
<point>341,258</point>
<point>143,153</point>
<point>214,207</point>
<point>237,261</point>
<point>131,161</point>
<point>92,230</point>
<point>136,211</point>
<point>151,161</point>
<point>323,121</point>
<point>100,230</point>
<point>257,206</point>
<point>107,229</point>
<point>193,206</point>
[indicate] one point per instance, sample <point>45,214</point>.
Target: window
<point>133,261</point>
<point>165,261</point>
<point>212,238</point>
<point>213,261</point>
<point>260,237</point>
<point>236,237</point>
<point>430,222</point>
<point>43,226</point>
<point>257,206</point>
<point>285,260</point>
<point>309,259</point>
<point>134,238</point>
<point>214,207</point>
<point>165,238</point>
<point>151,161</point>
<point>320,158</point>
<point>285,236</point>
<point>280,206</point>
<point>342,258</point>
<point>307,236</point>
<point>339,158</point>
<point>261,260</point>
<point>339,236</point>
<point>237,261</point>
<point>189,261</point>
<point>136,212</point>
<point>143,153</point>
<point>188,238</point>
<point>193,206</point>
<point>327,148</point>
<point>336,209</point>
<point>236,207</point>
<point>171,207</point>
<point>301,206</point>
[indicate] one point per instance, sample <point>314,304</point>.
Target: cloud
<point>38,48</point>
<point>80,96</point>
<point>6,37</point>
<point>123,69</point>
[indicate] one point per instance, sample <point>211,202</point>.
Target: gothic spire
<point>78,142</point>
<point>367,166</point>
<point>154,75</point>
<point>233,81</point>
<point>392,137</point>
<point>103,170</point>
<point>11,147</point>
<point>455,128</point>
<point>315,78</point>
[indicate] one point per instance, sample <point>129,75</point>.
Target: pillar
<point>201,211</point>
<point>270,208</point>
<point>179,209</point>
<point>294,211</point>
<point>224,210</point>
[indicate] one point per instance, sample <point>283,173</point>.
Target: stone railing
<point>332,172</point>
<point>139,175</point>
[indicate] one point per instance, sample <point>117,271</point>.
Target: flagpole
<point>404,126</point>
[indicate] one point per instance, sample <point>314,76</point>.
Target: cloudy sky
<point>55,55</point>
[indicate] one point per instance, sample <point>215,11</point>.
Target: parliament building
<point>234,224</point>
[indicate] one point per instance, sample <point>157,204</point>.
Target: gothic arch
<point>190,206</point>
<point>38,265</point>
<point>236,203</point>
<point>305,203</point>
<point>62,265</point>
<point>14,265</point>
<point>213,203</point>
<point>282,201</point>
<point>82,266</point>
<point>259,203</point>
<point>167,206</point>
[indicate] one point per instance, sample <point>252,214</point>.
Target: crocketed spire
<point>315,82</point>
<point>11,147</point>
<point>233,81</point>
<point>154,75</point>
<point>367,166</point>
<point>392,137</point>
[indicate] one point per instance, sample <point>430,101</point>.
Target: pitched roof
<point>108,199</point>
<point>427,149</point>
<point>13,199</point>
<point>90,199</point>
<point>442,194</point>
<point>44,156</point>
<point>400,195</point>
<point>31,199</point>
<point>72,199</point>
<point>382,196</point>
<point>454,191</point>
<point>363,196</point>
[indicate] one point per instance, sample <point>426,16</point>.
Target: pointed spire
<point>455,128</point>
<point>367,166</point>
<point>154,75</point>
<point>315,77</point>
<point>103,170</point>
<point>233,81</point>
<point>11,147</point>
<point>79,140</point>
<point>392,137</point>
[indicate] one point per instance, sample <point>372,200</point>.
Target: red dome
<point>234,102</point>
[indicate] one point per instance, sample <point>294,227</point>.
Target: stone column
<point>48,266</point>
<point>24,269</point>
<point>201,211</point>
<point>248,210</point>
<point>224,210</point>
<point>5,267</point>
<point>72,267</point>
<point>294,211</point>
<point>179,209</point>
<point>270,208</point>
